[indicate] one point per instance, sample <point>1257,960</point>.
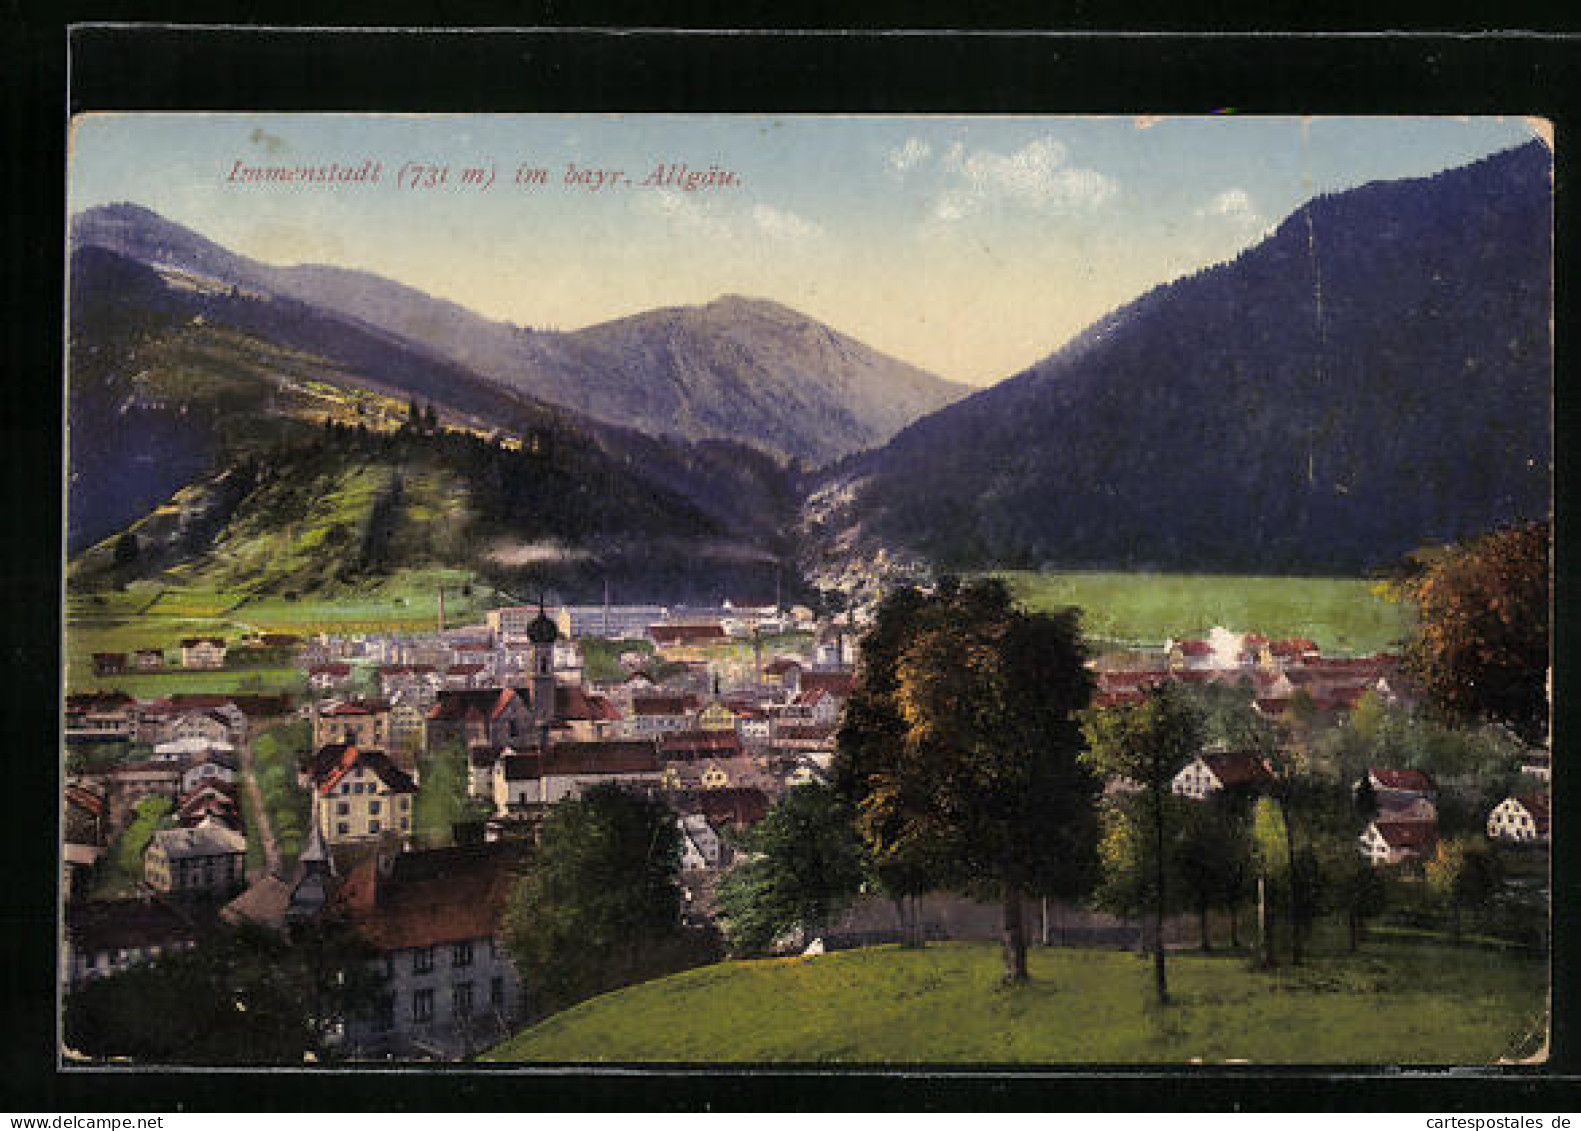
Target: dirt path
<point>271,846</point>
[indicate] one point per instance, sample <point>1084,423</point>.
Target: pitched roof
<point>730,805</point>
<point>207,839</point>
<point>700,743</point>
<point>1234,769</point>
<point>679,633</point>
<point>395,779</point>
<point>336,668</point>
<point>1410,781</point>
<point>488,702</point>
<point>431,898</point>
<point>1421,835</point>
<point>96,925</point>
<point>1195,648</point>
<point>835,683</point>
<point>194,641</point>
<point>781,666</point>
<point>662,704</point>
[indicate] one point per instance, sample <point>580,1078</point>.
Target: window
<point>462,955</point>
<point>422,960</point>
<point>384,1015</point>
<point>343,829</point>
<point>342,808</point>
<point>461,997</point>
<point>373,806</point>
<point>497,992</point>
<point>373,826</point>
<point>389,965</point>
<point>406,803</point>
<point>405,823</point>
<point>345,787</point>
<point>423,1005</point>
<point>356,787</point>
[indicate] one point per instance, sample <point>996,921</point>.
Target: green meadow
<point>1393,1003</point>
<point>1344,615</point>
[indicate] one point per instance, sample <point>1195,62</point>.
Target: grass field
<point>1341,614</point>
<point>1393,1003</point>
<point>155,615</point>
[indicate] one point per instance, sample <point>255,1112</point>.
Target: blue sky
<point>970,246</point>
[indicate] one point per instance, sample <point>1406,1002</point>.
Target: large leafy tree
<point>965,763</point>
<point>1481,652</point>
<point>1464,874</point>
<point>599,905</point>
<point>801,865</point>
<point>1148,743</point>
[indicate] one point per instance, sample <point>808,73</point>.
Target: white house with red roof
<point>1523,818</point>
<point>1385,841</point>
<point>1214,772</point>
<point>362,794</point>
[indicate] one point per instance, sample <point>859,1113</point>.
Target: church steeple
<point>543,633</point>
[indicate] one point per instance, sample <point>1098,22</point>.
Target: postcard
<point>656,590</point>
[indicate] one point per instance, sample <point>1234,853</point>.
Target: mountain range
<point>739,369</point>
<point>1373,376</point>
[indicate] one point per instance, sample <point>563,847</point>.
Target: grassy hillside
<point>1341,614</point>
<point>1396,1003</point>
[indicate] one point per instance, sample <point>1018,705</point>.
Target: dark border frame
<point>119,66</point>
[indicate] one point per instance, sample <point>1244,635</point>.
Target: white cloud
<point>1035,176</point>
<point>687,213</point>
<point>784,226</point>
<point>913,151</point>
<point>1231,202</point>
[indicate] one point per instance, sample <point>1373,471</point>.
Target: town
<point>404,791</point>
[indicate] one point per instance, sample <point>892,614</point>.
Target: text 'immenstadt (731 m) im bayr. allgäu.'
<point>481,176</point>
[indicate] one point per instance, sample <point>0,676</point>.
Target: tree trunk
<point>1160,978</point>
<point>1202,922</point>
<point>1290,863</point>
<point>1265,925</point>
<point>919,933</point>
<point>1235,916</point>
<point>900,917</point>
<point>1015,937</point>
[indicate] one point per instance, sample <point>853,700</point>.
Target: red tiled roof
<point>736,805</point>
<point>86,798</point>
<point>1294,646</point>
<point>1410,781</point>
<point>394,778</point>
<point>1195,648</point>
<point>488,702</point>
<point>700,743</point>
<point>431,898</point>
<point>680,633</point>
<point>194,641</point>
<point>1421,835</point>
<point>781,666</point>
<point>1233,769</point>
<point>337,669</point>
<point>835,683</point>
<point>662,705</point>
<point>1536,804</point>
<point>463,669</point>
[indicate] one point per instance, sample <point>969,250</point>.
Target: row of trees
<point>967,759</point>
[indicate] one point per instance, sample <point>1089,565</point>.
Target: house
<point>1216,772</point>
<point>203,652</point>
<point>463,676</point>
<point>363,795</point>
<point>434,920</point>
<point>823,707</point>
<point>105,937</point>
<point>1189,655</point>
<point>148,659</point>
<point>109,663</point>
<point>406,722</point>
<point>418,682</point>
<point>214,800</point>
<point>1523,818</point>
<point>653,715</point>
<point>486,716</point>
<point>216,767</point>
<point>717,716</point>
<point>1396,789</point>
<point>524,782</point>
<point>700,845</point>
<point>209,859</point>
<point>185,751</point>
<point>207,726</point>
<point>693,745</point>
<point>732,806</point>
<point>795,735</point>
<point>329,676</point>
<point>580,717</point>
<point>100,718</point>
<point>666,636</point>
<point>783,671</point>
<point>365,724</point>
<point>1393,842</point>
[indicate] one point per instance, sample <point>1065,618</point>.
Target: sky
<point>972,247</point>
